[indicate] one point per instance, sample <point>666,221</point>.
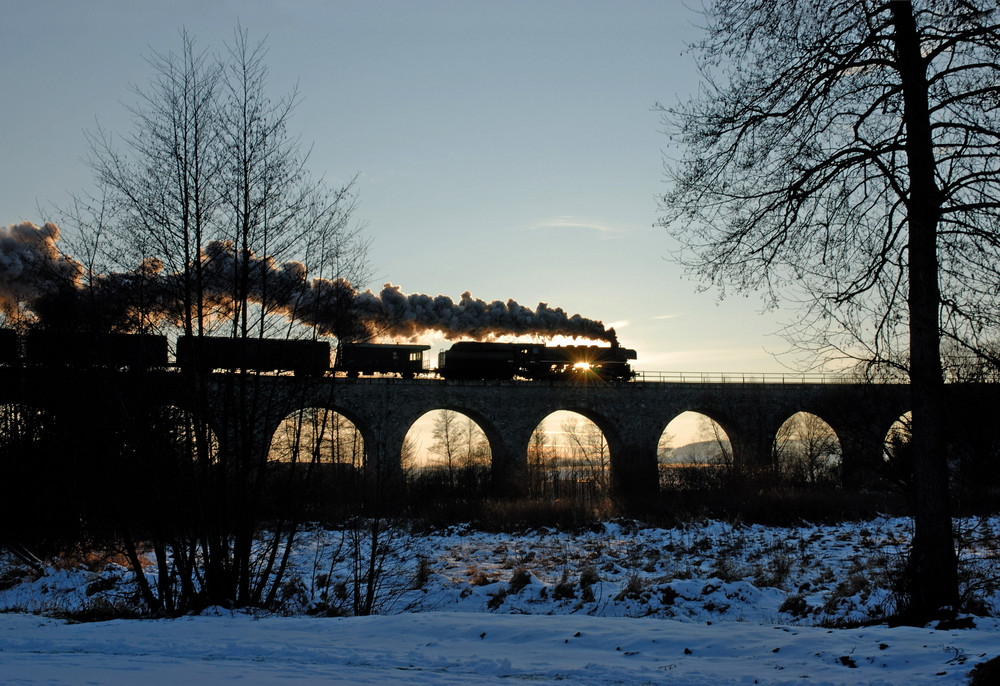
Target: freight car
<point>370,358</point>
<point>497,361</point>
<point>303,357</point>
<point>53,348</point>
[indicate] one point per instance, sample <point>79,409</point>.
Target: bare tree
<point>460,447</point>
<point>842,154</point>
<point>539,457</point>
<point>587,453</point>
<point>159,194</point>
<point>445,435</point>
<point>721,448</point>
<point>210,172</point>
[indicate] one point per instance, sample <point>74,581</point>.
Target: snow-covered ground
<point>702,603</point>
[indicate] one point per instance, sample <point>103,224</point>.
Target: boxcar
<point>46,347</point>
<point>304,357</point>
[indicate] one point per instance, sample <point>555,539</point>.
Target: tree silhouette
<point>210,174</point>
<point>842,154</point>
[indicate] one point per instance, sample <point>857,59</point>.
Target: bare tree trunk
<point>932,569</point>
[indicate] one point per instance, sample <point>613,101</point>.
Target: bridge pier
<point>635,477</point>
<point>509,437</point>
<point>861,454</point>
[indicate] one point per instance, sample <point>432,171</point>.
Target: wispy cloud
<point>571,223</point>
<point>672,315</point>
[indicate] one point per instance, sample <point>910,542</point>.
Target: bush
<point>795,605</point>
<point>985,673</point>
<point>518,580</point>
<point>496,600</point>
<point>589,576</point>
<point>631,588</point>
<point>422,574</point>
<point>565,589</point>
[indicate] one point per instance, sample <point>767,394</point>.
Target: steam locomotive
<point>475,360</point>
<point>464,361</point>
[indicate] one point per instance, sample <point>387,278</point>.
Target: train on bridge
<point>465,360</point>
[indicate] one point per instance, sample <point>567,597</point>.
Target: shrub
<point>101,609</point>
<point>727,569</point>
<point>565,589</point>
<point>422,574</point>
<point>481,578</point>
<point>589,576</point>
<point>631,588</point>
<point>496,600</point>
<point>668,595</point>
<point>795,605</point>
<point>774,571</point>
<point>100,584</point>
<point>518,580</point>
<point>985,673</point>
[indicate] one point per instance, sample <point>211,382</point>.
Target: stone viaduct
<point>632,416</point>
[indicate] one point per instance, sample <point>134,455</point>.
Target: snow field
<point>705,602</point>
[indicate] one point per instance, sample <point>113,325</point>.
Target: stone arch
<point>612,432</point>
<point>170,427</point>
<point>685,421</point>
<point>307,407</point>
<point>574,456</point>
<point>317,434</point>
<point>897,465</point>
<point>22,422</point>
<point>505,431</point>
<point>31,464</point>
<point>484,422</point>
<point>692,447</point>
<point>808,449</point>
<point>453,451</point>
<point>169,421</point>
<point>316,459</point>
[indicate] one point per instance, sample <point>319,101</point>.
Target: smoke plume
<point>148,294</point>
<point>31,265</point>
<point>336,307</point>
<point>408,315</point>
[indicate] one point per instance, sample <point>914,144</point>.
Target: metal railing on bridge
<point>744,377</point>
<point>649,377</point>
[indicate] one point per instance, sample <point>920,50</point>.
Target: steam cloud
<point>31,265</point>
<point>33,272</point>
<point>408,315</point>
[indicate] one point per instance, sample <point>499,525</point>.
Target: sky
<point>510,149</point>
